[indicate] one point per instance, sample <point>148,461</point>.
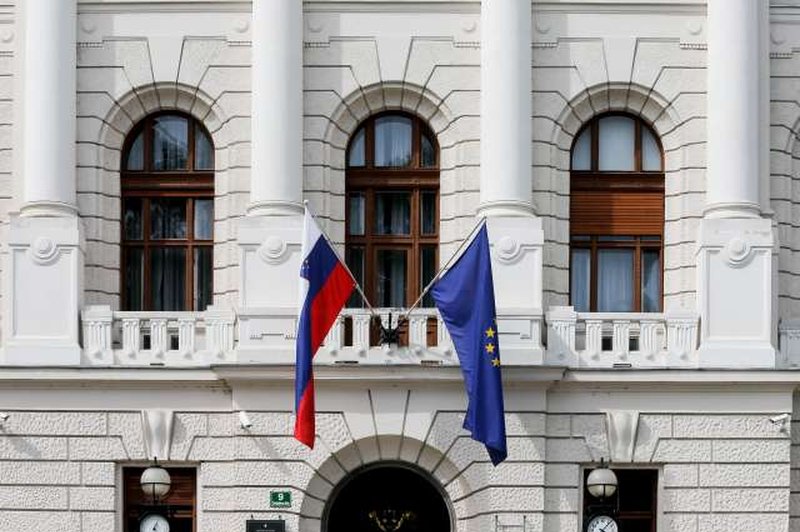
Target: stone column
<point>735,260</point>
<point>515,234</point>
<point>506,131</point>
<point>43,288</point>
<point>49,108</point>
<point>276,184</point>
<point>270,236</point>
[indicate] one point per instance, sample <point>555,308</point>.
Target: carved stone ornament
<point>157,432</point>
<point>622,427</point>
<point>507,249</point>
<point>43,251</point>
<point>273,250</point>
<point>737,251</point>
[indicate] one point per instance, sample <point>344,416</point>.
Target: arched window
<point>616,216</point>
<point>167,215</point>
<point>392,213</point>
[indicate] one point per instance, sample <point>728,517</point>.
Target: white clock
<point>155,523</point>
<point>602,523</point>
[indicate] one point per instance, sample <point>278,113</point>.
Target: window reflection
<point>203,150</point>
<point>135,160</point>
<point>617,143</point>
<point>392,141</point>
<point>170,142</point>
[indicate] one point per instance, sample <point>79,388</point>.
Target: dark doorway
<point>387,498</point>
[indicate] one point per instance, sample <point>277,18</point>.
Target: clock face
<point>602,523</point>
<point>154,523</point>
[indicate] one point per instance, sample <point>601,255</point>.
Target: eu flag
<point>465,298</point>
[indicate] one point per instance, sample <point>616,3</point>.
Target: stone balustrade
<point>636,340</point>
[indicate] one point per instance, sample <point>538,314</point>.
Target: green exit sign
<point>280,499</point>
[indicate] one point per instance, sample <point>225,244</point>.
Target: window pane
<point>355,261</point>
<point>132,219</point>
<point>581,274</point>
<point>168,278</point>
<point>357,149</point>
<point>392,141</point>
<point>428,213</point>
<point>134,279</point>
<point>651,281</point>
<point>651,153</point>
<point>136,154</point>
<point>615,280</point>
<point>204,219</point>
<point>428,152</point>
<point>170,142</point>
<point>392,213</point>
<point>617,144</point>
<point>582,151</point>
<point>356,214</point>
<point>391,278</point>
<point>203,150</point>
<point>167,218</point>
<point>427,268</point>
<point>203,277</point>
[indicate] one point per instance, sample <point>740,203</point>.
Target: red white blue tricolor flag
<point>325,287</point>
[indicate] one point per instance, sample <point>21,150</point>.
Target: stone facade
<point>699,401</point>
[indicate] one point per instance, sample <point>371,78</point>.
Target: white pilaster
<point>276,186</point>
<point>506,129</point>
<point>44,266</point>
<point>49,108</point>
<point>269,237</point>
<point>735,256</point>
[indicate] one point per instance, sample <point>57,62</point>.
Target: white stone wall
<point>8,95</point>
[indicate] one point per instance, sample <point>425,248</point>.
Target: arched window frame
<point>148,185</point>
<point>368,180</point>
<point>638,227</point>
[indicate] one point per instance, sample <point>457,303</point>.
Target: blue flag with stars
<point>465,298</point>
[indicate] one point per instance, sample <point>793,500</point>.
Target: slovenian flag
<point>325,287</point>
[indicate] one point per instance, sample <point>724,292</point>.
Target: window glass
<point>204,219</point>
<point>615,280</point>
<point>134,279</point>
<point>651,281</point>
<point>428,213</point>
<point>170,142</point>
<point>356,214</point>
<point>355,261</point>
<point>617,144</point>
<point>132,218</point>
<point>651,153</point>
<point>392,141</point>
<point>167,218</point>
<point>136,154</point>
<point>392,213</point>
<point>428,268</point>
<point>357,150</point>
<point>203,272</point>
<point>203,150</point>
<point>168,278</point>
<point>428,155</point>
<point>581,275</point>
<point>391,278</point>
<point>582,151</point>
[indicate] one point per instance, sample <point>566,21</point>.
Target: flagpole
<point>372,310</point>
<point>455,255</point>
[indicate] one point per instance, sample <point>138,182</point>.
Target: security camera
<point>780,419</point>
<point>244,420</point>
<point>4,416</point>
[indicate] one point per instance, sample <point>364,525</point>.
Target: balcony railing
<point>620,339</point>
<point>157,338</point>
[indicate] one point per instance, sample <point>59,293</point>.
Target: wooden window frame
<point>134,502</point>
<point>414,179</point>
<point>149,183</point>
<point>620,184</point>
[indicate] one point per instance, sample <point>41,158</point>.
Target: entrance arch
<point>387,497</point>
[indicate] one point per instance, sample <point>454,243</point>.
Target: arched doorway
<point>387,497</point>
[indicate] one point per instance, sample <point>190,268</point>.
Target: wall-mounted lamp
<point>601,482</point>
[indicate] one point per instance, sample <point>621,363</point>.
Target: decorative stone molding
<point>507,249</point>
<point>157,428</point>
<point>738,251</point>
<point>622,426</point>
<point>274,250</point>
<point>44,251</point>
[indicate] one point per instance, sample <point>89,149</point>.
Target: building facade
<point>636,163</point>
